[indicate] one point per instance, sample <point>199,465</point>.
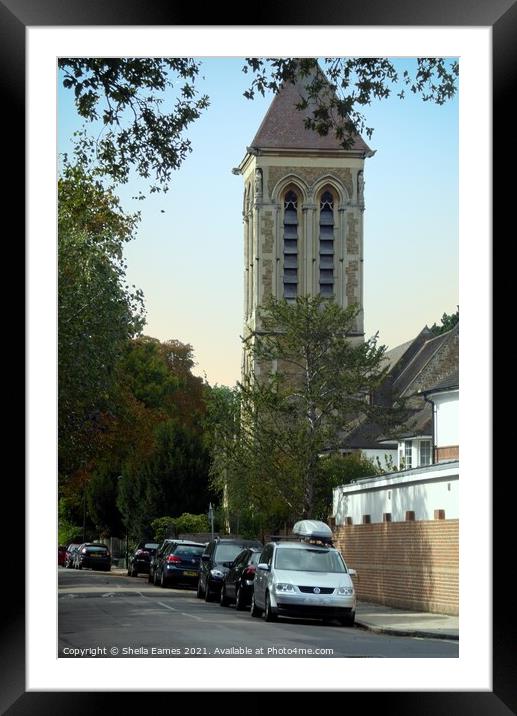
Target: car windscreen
<point>306,559</point>
<point>189,550</point>
<point>227,552</point>
<point>95,548</point>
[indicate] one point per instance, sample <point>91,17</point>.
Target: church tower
<point>302,211</point>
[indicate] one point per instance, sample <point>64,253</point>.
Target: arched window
<point>327,244</point>
<point>290,245</point>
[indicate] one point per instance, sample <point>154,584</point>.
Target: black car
<point>92,556</point>
<point>238,581</point>
<point>157,557</point>
<point>140,560</point>
<point>179,564</point>
<point>215,563</point>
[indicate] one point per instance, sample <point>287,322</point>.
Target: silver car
<point>299,579</point>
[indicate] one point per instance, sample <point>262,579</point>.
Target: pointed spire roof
<point>283,126</point>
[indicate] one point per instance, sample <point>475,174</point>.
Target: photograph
<point>258,341</point>
<point>248,247</point>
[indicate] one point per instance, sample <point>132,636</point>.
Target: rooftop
<point>283,126</point>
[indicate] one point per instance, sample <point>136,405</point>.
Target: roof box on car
<point>313,531</point>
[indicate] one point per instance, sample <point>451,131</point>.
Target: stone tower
<point>303,212</point>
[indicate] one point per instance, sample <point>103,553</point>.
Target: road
<point>107,614</point>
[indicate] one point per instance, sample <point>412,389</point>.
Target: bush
<point>163,527</point>
<point>191,523</point>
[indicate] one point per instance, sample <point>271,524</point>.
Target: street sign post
<point>211,518</point>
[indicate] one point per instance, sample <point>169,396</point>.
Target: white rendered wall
<point>428,490</point>
<point>387,458</point>
<point>447,419</point>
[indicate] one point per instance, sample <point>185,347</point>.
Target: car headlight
<point>216,573</point>
<point>348,591</point>
<point>284,587</point>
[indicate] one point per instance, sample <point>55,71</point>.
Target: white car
<point>305,578</point>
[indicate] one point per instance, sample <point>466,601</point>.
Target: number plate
<point>190,574</point>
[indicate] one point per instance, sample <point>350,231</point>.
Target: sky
<point>188,255</point>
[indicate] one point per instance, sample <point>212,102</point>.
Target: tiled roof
<point>449,383</point>
<point>365,436</point>
<point>283,126</point>
<point>402,383</point>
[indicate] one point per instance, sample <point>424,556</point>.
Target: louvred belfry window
<point>327,244</point>
<point>290,246</point>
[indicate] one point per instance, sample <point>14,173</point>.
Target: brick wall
<point>450,452</point>
<point>410,565</point>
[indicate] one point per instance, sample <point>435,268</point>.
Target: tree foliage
<point>143,107</point>
<point>97,311</point>
<point>448,321</point>
<point>337,95</point>
<point>314,385</point>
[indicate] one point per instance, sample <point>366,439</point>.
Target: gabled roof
<point>402,384</point>
<point>283,126</point>
<point>412,366</point>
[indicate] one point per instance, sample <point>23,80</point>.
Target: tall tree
<point>314,385</point>
<point>97,311</point>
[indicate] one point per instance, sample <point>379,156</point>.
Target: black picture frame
<point>501,15</point>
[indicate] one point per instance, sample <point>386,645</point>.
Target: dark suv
<point>215,563</point>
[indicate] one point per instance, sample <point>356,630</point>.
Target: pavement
<point>403,622</point>
<point>381,619</point>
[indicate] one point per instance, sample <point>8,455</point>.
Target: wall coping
<point>430,473</point>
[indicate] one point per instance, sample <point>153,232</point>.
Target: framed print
<point>35,676</point>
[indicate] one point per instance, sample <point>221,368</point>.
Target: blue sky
<point>188,260</point>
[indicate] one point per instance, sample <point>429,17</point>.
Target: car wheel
<point>269,614</point>
<point>79,565</point>
<point>208,593</point>
<point>348,621</point>
<point>199,593</point>
<point>239,601</point>
<point>163,581</point>
<point>155,578</point>
<point>255,611</point>
<point>134,573</point>
<point>223,601</point>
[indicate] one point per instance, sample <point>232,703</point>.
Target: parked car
<point>157,556</point>
<point>237,584</point>
<point>306,578</point>
<point>70,553</point>
<point>139,562</point>
<point>92,555</point>
<point>61,555</point>
<point>179,564</point>
<point>215,563</point>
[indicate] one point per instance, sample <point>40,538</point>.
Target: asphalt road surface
<point>108,615</point>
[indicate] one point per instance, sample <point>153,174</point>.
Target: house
<point>400,529</point>
<point>423,372</point>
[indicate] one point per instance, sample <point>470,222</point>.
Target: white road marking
<point>167,607</point>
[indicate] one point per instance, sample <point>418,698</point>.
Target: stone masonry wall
<point>310,175</point>
<point>409,565</point>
